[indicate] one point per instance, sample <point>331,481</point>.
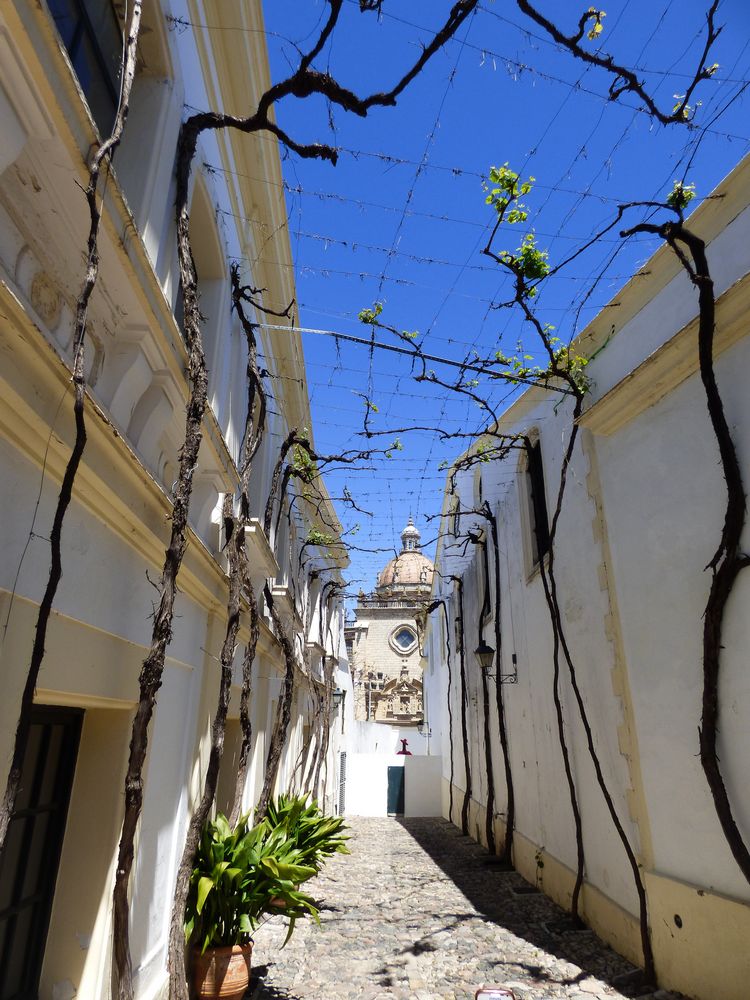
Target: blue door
<point>395,791</point>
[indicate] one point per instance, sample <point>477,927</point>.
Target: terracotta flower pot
<point>222,972</point>
<point>278,902</point>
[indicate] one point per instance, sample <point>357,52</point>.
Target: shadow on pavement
<point>502,897</point>
<point>261,990</point>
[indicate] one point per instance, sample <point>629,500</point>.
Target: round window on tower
<point>404,639</point>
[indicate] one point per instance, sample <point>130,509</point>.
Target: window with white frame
<point>91,34</point>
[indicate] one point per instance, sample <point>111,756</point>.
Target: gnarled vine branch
<point>99,161</point>
<point>304,82</point>
<point>237,573</point>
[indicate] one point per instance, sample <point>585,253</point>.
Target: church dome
<point>407,569</point>
<point>410,569</point>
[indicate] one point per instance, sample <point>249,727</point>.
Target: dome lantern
<point>410,538</point>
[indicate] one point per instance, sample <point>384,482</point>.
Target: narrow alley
<point>416,912</point>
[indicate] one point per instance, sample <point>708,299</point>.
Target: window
<point>92,36</point>
<point>208,255</point>
<point>404,639</point>
<point>537,500</point>
<point>456,513</point>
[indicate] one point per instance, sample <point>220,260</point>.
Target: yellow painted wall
<point>707,958</point>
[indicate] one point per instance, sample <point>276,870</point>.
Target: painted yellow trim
<point>627,731</point>
<point>201,576</point>
<point>708,958</point>
<point>606,918</point>
<point>78,945</point>
<point>673,362</point>
<point>603,915</point>
<point>709,219</point>
<point>62,677</point>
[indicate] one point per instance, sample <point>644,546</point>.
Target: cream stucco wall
<point>117,526</point>
<point>641,520</point>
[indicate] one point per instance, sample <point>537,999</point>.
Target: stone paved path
<point>415,913</point>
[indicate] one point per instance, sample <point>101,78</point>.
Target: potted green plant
<point>311,835</point>
<point>236,876</point>
<point>314,836</point>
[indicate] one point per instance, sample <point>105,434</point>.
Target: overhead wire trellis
<point>427,267</point>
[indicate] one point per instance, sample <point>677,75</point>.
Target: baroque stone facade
<point>383,644</point>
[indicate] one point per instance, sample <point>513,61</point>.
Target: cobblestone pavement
<point>417,913</point>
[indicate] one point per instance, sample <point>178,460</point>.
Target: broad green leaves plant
<point>315,837</point>
<point>242,874</point>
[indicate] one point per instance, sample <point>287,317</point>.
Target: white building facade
<point>642,517</point>
<point>58,87</point>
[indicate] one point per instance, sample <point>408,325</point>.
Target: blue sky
<point>401,219</point>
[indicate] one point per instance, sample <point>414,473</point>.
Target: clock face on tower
<point>405,638</point>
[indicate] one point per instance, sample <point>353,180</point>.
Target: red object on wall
<point>403,752</point>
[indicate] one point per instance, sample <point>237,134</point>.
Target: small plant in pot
<point>236,875</point>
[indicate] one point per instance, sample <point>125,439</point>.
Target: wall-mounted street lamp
<point>338,698</point>
<point>486,655</point>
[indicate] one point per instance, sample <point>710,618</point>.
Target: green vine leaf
<point>369,316</point>
<point>680,196</point>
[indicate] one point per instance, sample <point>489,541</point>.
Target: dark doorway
<point>29,862</point>
<point>395,791</point>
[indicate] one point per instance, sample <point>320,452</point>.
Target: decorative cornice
<point>260,554</point>
<point>201,577</point>
<point>282,595</point>
<point>672,363</point>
